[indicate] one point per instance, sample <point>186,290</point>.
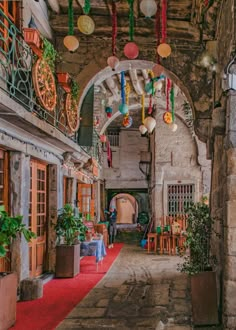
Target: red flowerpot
<point>64,80</point>
<point>32,38</point>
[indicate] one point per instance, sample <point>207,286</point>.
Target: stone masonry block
<point>231,161</point>
<point>231,187</point>
<point>230,266</point>
<point>231,214</point>
<point>230,241</point>
<point>229,298</point>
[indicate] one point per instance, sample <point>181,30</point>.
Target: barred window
<point>114,138</point>
<point>179,197</point>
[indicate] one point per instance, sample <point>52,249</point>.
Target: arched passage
<point>127,208</point>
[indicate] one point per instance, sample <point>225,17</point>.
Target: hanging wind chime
<point>167,117</point>
<point>113,61</point>
<point>127,121</point>
<point>70,41</point>
<point>123,107</point>
<point>131,50</point>
<point>85,23</point>
<point>164,50</point>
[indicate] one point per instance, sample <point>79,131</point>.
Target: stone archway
<point>127,208</point>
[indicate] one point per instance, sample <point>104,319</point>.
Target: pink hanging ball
<point>131,50</point>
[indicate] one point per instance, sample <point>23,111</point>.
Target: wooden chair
<point>152,237</point>
<point>165,243</point>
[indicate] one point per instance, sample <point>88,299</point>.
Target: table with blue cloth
<point>93,248</point>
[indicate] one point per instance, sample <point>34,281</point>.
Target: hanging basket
<point>64,80</point>
<point>32,38</point>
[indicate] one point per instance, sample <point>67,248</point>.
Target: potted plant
<point>10,228</point>
<point>199,264</point>
<point>69,230</point>
<point>64,80</point>
<point>33,39</point>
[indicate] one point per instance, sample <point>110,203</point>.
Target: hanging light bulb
<point>173,127</point>
<point>71,43</point>
<point>164,50</point>
<point>148,7</point>
<point>113,62</point>
<point>142,129</point>
<point>149,123</point>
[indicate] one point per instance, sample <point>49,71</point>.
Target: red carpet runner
<point>62,295</point>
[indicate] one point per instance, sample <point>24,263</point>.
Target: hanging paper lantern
<point>148,7</point>
<point>123,108</point>
<point>103,138</point>
<point>113,62</point>
<point>131,50</point>
<point>149,123</point>
<point>167,117</point>
<point>157,70</point>
<point>85,24</point>
<point>164,50</point>
<point>173,127</point>
<point>71,43</point>
<point>127,121</point>
<point>108,111</point>
<point>142,129</point>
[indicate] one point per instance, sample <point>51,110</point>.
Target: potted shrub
<point>64,80</point>
<point>199,264</point>
<point>10,228</point>
<point>33,39</point>
<point>69,230</point>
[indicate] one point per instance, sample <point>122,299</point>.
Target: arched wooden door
<point>37,217</point>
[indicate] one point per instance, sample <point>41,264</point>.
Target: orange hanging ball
<point>131,50</point>
<point>164,50</point>
<point>167,117</point>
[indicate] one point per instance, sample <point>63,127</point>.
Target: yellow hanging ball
<point>85,24</point>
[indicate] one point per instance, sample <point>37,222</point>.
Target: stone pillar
<point>97,200</point>
<point>19,205</point>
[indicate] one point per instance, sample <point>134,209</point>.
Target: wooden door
<point>86,200</point>
<point>37,217</point>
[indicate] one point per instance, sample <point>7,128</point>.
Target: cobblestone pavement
<point>141,291</point>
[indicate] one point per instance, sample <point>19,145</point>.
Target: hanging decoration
<point>149,123</point>
<point>148,7</point>
<point>173,126</point>
<point>167,117</point>
<point>70,41</point>
<point>142,128</point>
<point>85,23</point>
<point>113,61</point>
<point>103,138</point>
<point>108,111</point>
<point>131,50</point>
<point>127,121</point>
<point>123,107</point>
<point>164,50</point>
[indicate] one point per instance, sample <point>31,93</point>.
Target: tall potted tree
<point>69,230</point>
<point>199,264</point>
<point>10,228</point>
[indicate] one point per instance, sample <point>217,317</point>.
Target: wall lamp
<point>229,78</point>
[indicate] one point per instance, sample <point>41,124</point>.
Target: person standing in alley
<point>112,226</point>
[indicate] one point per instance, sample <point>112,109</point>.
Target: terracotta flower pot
<point>64,80</point>
<point>32,38</point>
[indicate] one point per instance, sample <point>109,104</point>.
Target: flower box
<point>33,39</point>
<point>64,80</point>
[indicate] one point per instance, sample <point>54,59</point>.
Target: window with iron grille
<point>114,138</point>
<point>179,196</point>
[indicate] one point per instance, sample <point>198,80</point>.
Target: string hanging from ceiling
<point>131,50</point>
<point>123,107</point>
<point>142,128</point>
<point>85,23</point>
<point>70,41</point>
<point>127,121</point>
<point>164,50</point>
<point>173,126</point>
<point>167,117</point>
<point>113,61</point>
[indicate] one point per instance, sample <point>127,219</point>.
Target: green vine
<point>188,116</point>
<point>74,90</point>
<point>49,53</point>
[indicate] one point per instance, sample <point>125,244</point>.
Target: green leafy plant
<point>49,54</point>
<point>74,90</point>
<point>69,226</point>
<point>198,237</point>
<point>9,228</point>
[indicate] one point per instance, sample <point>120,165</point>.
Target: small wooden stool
<point>165,241</point>
<point>151,236</point>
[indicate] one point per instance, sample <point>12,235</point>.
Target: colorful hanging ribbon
<point>168,87</point>
<point>131,20</point>
<point>163,15</point>
<point>114,27</point>
<point>150,105</point>
<point>172,100</point>
<point>86,8</point>
<point>123,87</point>
<point>127,92</point>
<point>70,18</point>
<point>143,107</point>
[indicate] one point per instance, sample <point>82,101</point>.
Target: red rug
<point>60,296</point>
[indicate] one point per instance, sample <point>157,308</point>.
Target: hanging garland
<point>123,87</point>
<point>143,107</point>
<point>131,20</point>
<point>86,8</point>
<point>127,92</point>
<point>114,28</point>
<point>167,117</point>
<point>71,18</point>
<point>163,16</point>
<point>172,100</point>
<point>131,50</point>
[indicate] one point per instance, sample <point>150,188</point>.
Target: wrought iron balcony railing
<point>16,63</point>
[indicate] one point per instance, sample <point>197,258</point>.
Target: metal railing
<point>16,63</point>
